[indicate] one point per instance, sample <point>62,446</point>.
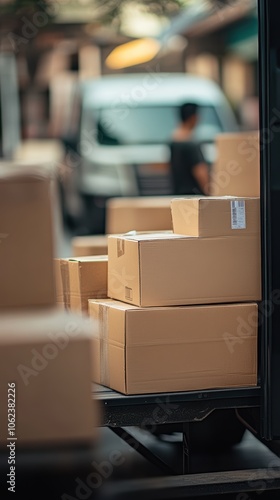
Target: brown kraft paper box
<point>47,357</point>
<point>26,238</point>
<point>216,216</point>
<point>83,246</point>
<point>79,279</point>
<point>138,214</point>
<point>168,269</point>
<point>170,349</point>
<point>236,171</point>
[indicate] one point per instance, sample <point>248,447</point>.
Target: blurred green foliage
<point>106,11</point>
<point>17,6</point>
<point>112,9</point>
<point>109,8</point>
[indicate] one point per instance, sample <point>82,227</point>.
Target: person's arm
<point>201,175</point>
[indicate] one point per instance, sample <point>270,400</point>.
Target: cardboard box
<point>171,349</point>
<point>26,238</point>
<point>48,358</point>
<point>138,214</point>
<point>83,246</point>
<point>81,279</point>
<point>237,169</point>
<point>213,216</point>
<point>165,270</point>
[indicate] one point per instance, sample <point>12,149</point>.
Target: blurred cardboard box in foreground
<point>62,300</point>
<point>175,348</point>
<point>138,214</point>
<point>236,171</point>
<point>83,246</point>
<point>79,279</point>
<point>46,361</point>
<point>156,269</point>
<point>213,216</point>
<point>26,237</point>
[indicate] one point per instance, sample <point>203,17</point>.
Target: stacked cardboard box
<point>138,214</point>
<point>168,349</point>
<point>209,266</point>
<point>46,360</point>
<point>236,171</point>
<point>83,246</point>
<point>169,335</point>
<point>80,279</point>
<point>26,238</point>
<point>45,354</point>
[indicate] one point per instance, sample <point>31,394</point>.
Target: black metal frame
<point>196,485</point>
<point>269,64</point>
<point>119,410</point>
<point>143,450</point>
<point>151,410</point>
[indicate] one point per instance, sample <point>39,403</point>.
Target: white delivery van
<point>126,125</point>
<point>124,132</point>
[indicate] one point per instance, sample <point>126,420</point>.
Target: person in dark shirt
<point>189,171</point>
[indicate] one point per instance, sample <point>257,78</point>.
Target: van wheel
<point>220,430</point>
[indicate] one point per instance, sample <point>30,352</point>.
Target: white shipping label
<point>238,214</point>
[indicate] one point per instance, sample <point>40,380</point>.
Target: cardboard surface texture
<point>26,238</point>
<point>60,295</point>
<point>213,216</point>
<point>83,246</point>
<point>175,348</point>
<point>80,279</point>
<point>138,214</point>
<point>165,270</point>
<point>237,169</point>
<point>49,358</point>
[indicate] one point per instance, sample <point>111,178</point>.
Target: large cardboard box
<point>80,279</point>
<point>46,361</point>
<point>26,238</point>
<point>138,214</point>
<point>165,270</point>
<point>175,348</point>
<point>216,216</point>
<point>83,246</point>
<point>236,171</point>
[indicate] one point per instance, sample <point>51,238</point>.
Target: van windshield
<point>149,125</point>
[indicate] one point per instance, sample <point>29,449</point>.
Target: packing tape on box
<point>104,333</point>
<point>65,283</point>
<point>120,247</point>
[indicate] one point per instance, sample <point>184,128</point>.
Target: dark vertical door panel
<point>269,67</point>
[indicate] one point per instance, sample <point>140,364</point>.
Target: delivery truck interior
<point>259,407</point>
